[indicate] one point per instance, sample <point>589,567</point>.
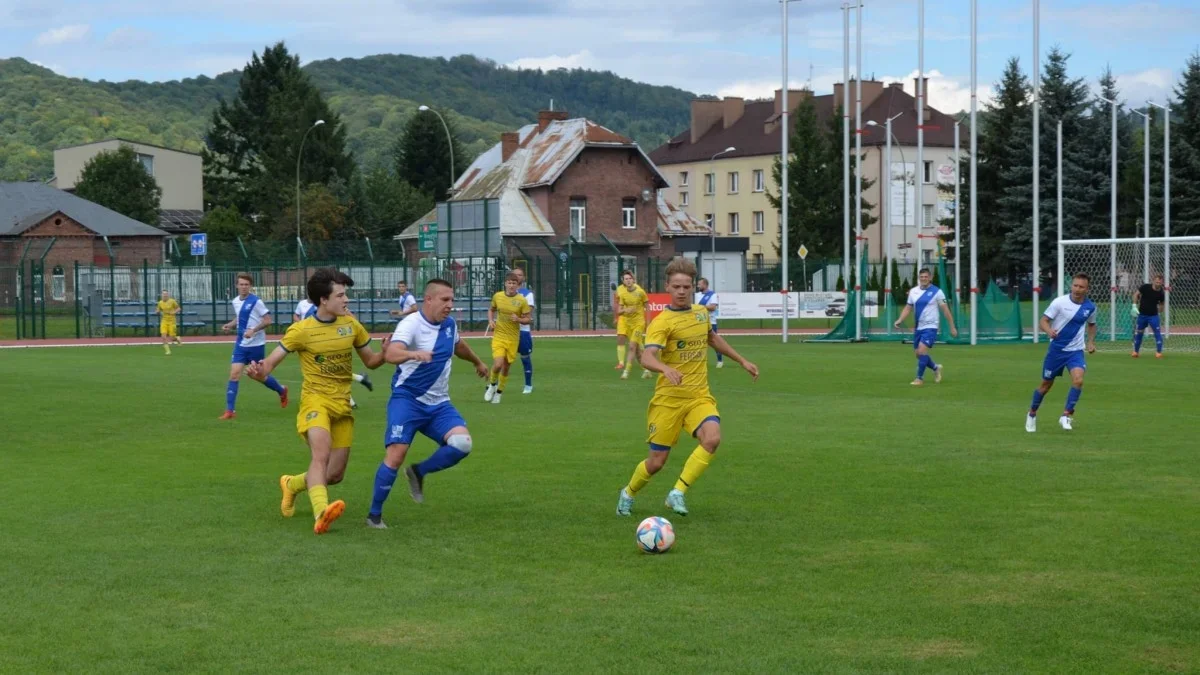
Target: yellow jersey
<point>635,299</point>
<point>505,306</point>
<point>326,353</point>
<point>168,310</point>
<point>682,338</point>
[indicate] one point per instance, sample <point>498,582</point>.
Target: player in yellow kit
<point>677,348</point>
<point>507,313</point>
<point>631,305</point>
<point>168,322</point>
<point>325,342</point>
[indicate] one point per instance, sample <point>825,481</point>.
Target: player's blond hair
<point>681,265</point>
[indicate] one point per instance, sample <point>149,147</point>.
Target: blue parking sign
<point>199,244</point>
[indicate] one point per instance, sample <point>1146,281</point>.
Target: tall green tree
<point>224,223</point>
<point>1185,151</point>
<point>253,142</point>
<point>833,163</point>
<point>422,154</point>
<point>812,218</point>
<point>1006,113</point>
<point>116,179</point>
<point>382,205</point>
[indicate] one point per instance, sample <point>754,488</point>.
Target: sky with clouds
<point>728,47</point>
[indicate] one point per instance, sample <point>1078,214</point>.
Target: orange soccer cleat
<point>283,399</point>
<point>330,514</point>
<point>227,415</point>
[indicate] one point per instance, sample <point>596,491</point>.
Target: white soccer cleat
<point>937,374</point>
<point>489,393</point>
<point>353,404</point>
<point>917,382</point>
<point>1030,423</point>
<point>527,390</point>
<point>625,375</point>
<point>720,364</point>
<point>1065,422</point>
<point>646,374</point>
<point>496,399</point>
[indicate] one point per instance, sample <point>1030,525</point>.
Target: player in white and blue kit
<point>708,297</point>
<point>251,318</point>
<point>925,301</point>
<point>525,342</point>
<point>408,304</point>
<point>1066,321</point>
<point>421,348</point>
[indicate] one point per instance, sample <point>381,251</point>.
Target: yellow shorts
<point>503,347</point>
<point>328,414</point>
<point>664,422</point>
<point>632,328</point>
<point>168,329</point>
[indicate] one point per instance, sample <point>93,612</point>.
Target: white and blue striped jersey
<point>926,303</point>
<point>405,301</point>
<point>528,294</point>
<point>302,308</point>
<point>707,298</point>
<point>427,383</point>
<point>250,313</point>
<point>1069,320</point>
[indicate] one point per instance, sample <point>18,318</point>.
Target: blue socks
<point>231,395</point>
<point>923,362</point>
<point>527,361</point>
<point>1137,340</point>
<point>385,477</point>
<point>274,385</point>
<point>441,459</point>
<point>1157,339</point>
<point>1037,402</point>
<point>1072,399</point>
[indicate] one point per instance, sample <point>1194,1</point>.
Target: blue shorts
<point>406,417</point>
<point>1057,362</point>
<point>247,355</point>
<point>713,326</point>
<point>926,336</point>
<point>1151,321</point>
<point>525,343</point>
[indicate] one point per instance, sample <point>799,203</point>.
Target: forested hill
<point>41,110</point>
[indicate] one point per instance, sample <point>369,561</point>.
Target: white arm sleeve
<point>405,331</point>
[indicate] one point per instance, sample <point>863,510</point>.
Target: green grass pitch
<point>849,523</point>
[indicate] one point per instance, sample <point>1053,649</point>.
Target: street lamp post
<point>299,154</point>
<point>783,163</point>
<point>449,142</point>
<point>885,194</point>
<point>712,232</point>
<point>1112,226</point>
<point>1145,193</point>
<point>1166,210</point>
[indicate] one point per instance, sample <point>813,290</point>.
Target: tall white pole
<point>783,163</point>
<point>1112,231</point>
<point>957,228</point>
<point>919,207</point>
<point>887,222</point>
<point>1059,207</point>
<point>1037,78</point>
<point>846,143</point>
<point>974,173</point>
<point>858,235</point>
<point>1146,195</point>
<point>1167,216</point>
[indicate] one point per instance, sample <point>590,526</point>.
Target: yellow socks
<point>695,466</point>
<point>503,383</point>
<point>621,354</point>
<point>297,483</point>
<point>319,496</point>
<point>640,477</point>
<point>167,349</point>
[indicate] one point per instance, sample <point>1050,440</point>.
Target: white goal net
<point>1120,267</point>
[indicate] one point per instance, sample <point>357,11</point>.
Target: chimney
<point>545,117</point>
<point>897,85</point>
<point>509,140</point>
<point>871,89</point>
<point>928,113</point>
<point>795,96</point>
<point>705,113</point>
<point>733,107</point>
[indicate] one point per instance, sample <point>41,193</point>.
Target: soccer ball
<point>655,535</point>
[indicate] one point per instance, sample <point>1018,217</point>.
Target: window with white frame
<point>147,162</point>
<point>629,214</point>
<point>735,225</point>
<point>683,179</point>
<point>710,183</point>
<point>760,225</point>
<point>927,216</point>
<point>759,185</point>
<point>928,172</point>
<point>58,284</point>
<point>734,182</point>
<point>579,218</point>
<point>683,198</point>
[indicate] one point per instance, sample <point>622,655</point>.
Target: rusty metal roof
<point>675,222</point>
<point>560,143</point>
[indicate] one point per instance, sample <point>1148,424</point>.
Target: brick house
<point>39,222</point>
<point>561,187</point>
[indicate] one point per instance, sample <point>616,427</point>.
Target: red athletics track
<point>221,339</point>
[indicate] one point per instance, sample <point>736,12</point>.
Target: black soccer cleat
<point>366,382</point>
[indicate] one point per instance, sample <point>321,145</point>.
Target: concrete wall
<point>179,174</point>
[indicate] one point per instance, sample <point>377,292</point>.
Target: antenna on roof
<point>808,85</point>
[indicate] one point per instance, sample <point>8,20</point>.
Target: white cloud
<point>1154,84</point>
<point>127,37</point>
<point>582,59</point>
<point>947,94</point>
<point>56,36</point>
